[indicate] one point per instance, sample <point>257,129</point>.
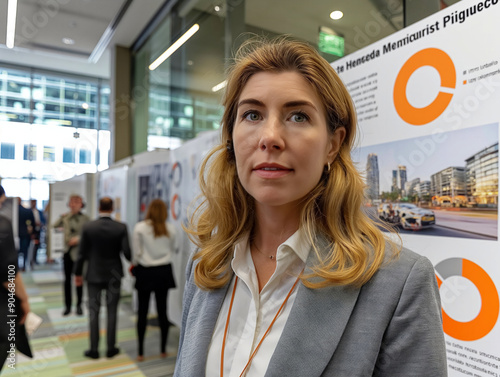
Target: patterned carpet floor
<point>59,342</point>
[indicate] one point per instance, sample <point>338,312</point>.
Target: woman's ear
<point>336,141</point>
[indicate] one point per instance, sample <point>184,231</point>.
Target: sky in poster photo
<point>425,156</point>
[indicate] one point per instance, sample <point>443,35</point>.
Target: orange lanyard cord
<point>225,329</point>
<point>263,336</point>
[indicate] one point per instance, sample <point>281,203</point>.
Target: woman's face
<point>280,138</point>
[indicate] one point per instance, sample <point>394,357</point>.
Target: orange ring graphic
<point>444,65</point>
<point>490,303</point>
<point>172,206</point>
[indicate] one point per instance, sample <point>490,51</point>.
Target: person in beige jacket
<point>72,223</point>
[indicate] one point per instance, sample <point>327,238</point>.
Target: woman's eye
<point>251,116</point>
<point>299,118</point>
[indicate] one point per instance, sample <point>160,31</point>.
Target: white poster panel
<point>113,183</point>
<point>428,100</point>
<point>184,188</point>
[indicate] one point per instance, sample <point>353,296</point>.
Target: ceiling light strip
<point>219,86</point>
<point>178,43</point>
<point>108,34</point>
<point>11,23</point>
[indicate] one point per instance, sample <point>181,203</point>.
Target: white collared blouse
<point>252,312</point>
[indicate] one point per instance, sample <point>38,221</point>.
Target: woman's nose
<point>272,135</point>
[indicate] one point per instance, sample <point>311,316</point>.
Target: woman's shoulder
<point>405,257</point>
<point>142,225</point>
<point>404,266</point>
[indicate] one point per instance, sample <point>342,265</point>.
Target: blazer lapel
<point>313,329</point>
<point>201,329</point>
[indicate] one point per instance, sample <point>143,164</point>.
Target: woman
<point>291,278</point>
<point>154,241</point>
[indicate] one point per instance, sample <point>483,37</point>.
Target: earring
<point>327,168</point>
<point>230,149</point>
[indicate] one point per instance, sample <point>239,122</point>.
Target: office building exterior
<point>482,177</point>
<point>402,178</point>
<point>372,177</point>
<point>449,182</point>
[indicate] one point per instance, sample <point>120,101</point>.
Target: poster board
<point>173,177</point>
<point>427,99</point>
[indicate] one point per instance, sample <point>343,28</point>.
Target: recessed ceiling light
<point>336,15</point>
<point>217,8</point>
<point>68,41</point>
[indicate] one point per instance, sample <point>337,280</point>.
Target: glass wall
<point>52,127</point>
<point>176,100</point>
<point>182,97</point>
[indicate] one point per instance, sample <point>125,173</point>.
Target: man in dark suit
<point>101,243</point>
<point>26,223</point>
<point>36,236</point>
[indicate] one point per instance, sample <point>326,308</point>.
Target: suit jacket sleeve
<point>125,244</point>
<point>413,343</point>
<point>59,223</point>
<point>83,252</point>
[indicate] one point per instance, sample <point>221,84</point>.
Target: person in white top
<point>291,277</point>
<point>153,241</point>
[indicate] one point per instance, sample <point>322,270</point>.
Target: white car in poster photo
<point>413,217</point>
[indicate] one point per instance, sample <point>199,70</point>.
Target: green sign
<point>331,44</point>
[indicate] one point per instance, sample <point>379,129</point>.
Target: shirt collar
<point>297,242</point>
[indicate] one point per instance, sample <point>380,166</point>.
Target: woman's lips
<point>271,170</point>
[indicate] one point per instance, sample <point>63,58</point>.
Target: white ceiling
<point>42,25</point>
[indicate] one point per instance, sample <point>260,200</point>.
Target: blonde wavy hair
<point>333,209</point>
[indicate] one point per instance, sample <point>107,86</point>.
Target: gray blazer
<point>389,327</point>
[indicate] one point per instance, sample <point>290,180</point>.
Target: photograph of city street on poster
<point>444,184</point>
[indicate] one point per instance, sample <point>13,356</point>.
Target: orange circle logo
<point>490,303</point>
<point>175,208</point>
<point>437,59</point>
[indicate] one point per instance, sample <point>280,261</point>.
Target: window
<point>49,154</point>
<point>7,151</point>
<point>29,152</point>
<point>68,155</point>
<point>85,156</point>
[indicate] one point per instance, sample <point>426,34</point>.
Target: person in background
<point>154,241</point>
<point>25,230</point>
<point>72,224</point>
<point>291,277</point>
<point>9,262</point>
<point>102,241</point>
<point>46,214</point>
<point>37,231</point>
